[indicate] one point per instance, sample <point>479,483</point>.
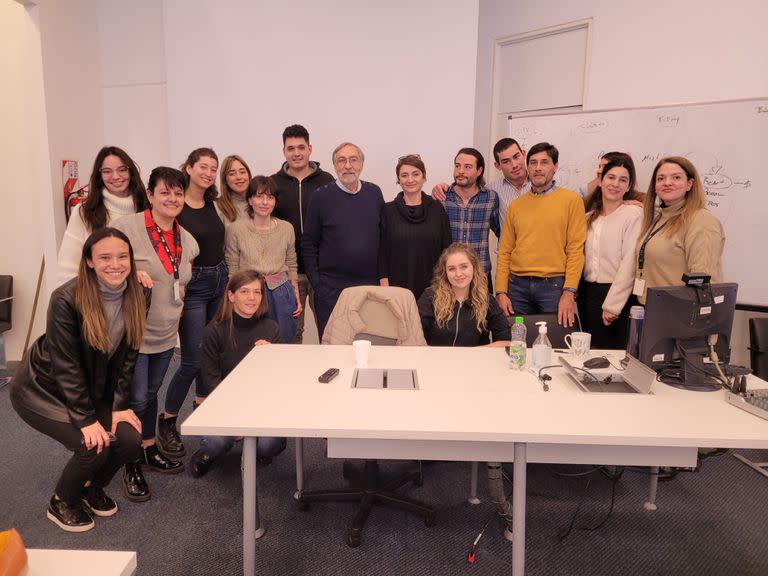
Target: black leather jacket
<point>64,379</point>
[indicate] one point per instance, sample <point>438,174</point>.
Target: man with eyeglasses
<point>296,182</point>
<point>340,242</point>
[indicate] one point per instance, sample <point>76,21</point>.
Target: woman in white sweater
<point>613,225</point>
<point>114,190</point>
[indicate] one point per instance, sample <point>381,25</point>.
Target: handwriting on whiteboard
<point>593,125</point>
<point>669,120</point>
<point>717,183</point>
<point>762,109</point>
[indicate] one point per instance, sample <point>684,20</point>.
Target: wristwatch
<point>571,290</point>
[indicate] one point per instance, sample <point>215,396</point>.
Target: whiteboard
<point>726,141</point>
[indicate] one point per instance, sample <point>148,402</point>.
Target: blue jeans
<point>147,379</point>
<point>201,300</point>
<point>282,303</point>
<point>266,447</point>
<point>535,295</point>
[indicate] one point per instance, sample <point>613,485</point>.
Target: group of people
<point>235,267</point>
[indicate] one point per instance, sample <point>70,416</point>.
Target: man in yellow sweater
<point>541,252</point>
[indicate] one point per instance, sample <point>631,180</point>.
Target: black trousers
<point>591,298</point>
<point>86,464</point>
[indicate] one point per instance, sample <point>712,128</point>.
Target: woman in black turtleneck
<point>240,324</point>
<point>414,231</point>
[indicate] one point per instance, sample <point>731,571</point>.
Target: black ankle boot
<point>155,460</point>
<point>168,437</point>
<point>200,463</point>
<point>134,484</point>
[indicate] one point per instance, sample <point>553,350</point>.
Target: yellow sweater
<point>543,236</point>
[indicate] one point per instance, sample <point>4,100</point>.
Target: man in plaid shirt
<point>473,209</point>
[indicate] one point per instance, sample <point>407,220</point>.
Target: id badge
<point>639,287</point>
<point>176,291</point>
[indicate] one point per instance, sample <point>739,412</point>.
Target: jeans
<point>282,304</point>
<point>147,379</point>
<point>202,299</point>
<point>535,295</point>
<point>267,447</point>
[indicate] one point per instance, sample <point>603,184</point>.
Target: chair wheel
<point>353,540</point>
<point>302,504</point>
<point>430,519</point>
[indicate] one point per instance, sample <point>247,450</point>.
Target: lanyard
<point>176,242</point>
<point>641,254</point>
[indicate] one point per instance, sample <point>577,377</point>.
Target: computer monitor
<point>678,323</point>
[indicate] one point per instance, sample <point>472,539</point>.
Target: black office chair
<point>386,316</point>
<point>6,313</point>
<point>555,332</point>
<point>758,346</point>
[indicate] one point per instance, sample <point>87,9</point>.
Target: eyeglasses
<point>408,157</point>
<point>341,160</point>
<point>122,171</point>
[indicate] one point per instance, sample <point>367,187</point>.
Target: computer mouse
<point>594,363</point>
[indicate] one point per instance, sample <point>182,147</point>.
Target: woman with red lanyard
<point>164,252</point>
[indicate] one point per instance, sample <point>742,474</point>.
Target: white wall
<point>642,54</point>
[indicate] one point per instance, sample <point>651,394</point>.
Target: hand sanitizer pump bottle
<point>542,348</point>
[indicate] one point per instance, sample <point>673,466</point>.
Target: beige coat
<point>385,311</point>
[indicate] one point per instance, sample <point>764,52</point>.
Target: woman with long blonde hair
<point>74,383</point>
<point>234,178</point>
<point>455,310</point>
<point>678,234</point>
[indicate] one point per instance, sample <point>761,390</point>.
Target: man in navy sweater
<point>340,242</point>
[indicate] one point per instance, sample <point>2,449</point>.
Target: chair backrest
<point>382,314</point>
<point>758,346</point>
<point>6,307</point>
<point>555,332</point>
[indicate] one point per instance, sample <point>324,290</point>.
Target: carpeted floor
<point>713,521</point>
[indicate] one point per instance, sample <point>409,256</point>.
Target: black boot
<point>134,484</point>
<point>200,463</point>
<point>154,460</point>
<point>168,437</point>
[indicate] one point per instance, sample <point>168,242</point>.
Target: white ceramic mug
<point>578,343</point>
<point>362,349</point>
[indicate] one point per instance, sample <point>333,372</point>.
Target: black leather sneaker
<point>168,437</point>
<point>98,502</point>
<point>70,517</point>
<point>200,463</point>
<point>134,484</point>
<point>155,460</point>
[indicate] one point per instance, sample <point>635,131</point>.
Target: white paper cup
<point>362,350</point>
<point>578,343</point>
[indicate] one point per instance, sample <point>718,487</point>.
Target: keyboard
<point>754,401</point>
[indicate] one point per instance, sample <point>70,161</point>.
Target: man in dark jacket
<point>296,181</point>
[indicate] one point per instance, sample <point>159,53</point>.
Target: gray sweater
<point>164,313</point>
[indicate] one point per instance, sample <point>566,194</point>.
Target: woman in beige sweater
<point>679,234</point>
<point>267,244</point>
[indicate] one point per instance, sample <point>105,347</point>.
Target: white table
<point>80,562</point>
<point>469,406</point>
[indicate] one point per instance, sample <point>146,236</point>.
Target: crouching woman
<point>74,382</point>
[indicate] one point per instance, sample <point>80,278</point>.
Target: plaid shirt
<point>472,223</point>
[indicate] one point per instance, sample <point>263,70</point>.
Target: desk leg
<point>651,503</point>
<point>252,528</point>
<point>473,499</point>
<point>518,509</point>
<point>299,467</point>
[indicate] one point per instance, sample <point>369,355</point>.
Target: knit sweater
<point>165,311</point>
<point>697,247</point>
<point>412,239</point>
<point>543,236</point>
<point>219,355</point>
<point>77,233</point>
<point>341,234</point>
<point>267,251</point>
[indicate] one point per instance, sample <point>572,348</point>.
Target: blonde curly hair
<point>445,299</point>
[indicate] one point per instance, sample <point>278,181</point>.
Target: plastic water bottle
<point>517,346</point>
<point>636,317</point>
<point>542,347</point>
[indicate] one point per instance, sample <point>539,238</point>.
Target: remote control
<point>328,375</point>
